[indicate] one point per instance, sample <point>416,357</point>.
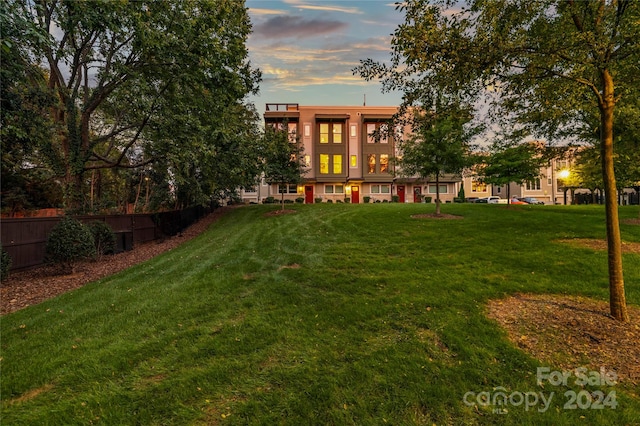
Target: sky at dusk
<point>306,50</point>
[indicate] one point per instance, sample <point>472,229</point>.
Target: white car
<point>488,200</point>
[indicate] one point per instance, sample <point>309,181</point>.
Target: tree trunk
<point>617,301</point>
<point>437,194</point>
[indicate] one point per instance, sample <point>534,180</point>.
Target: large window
<point>377,132</point>
<point>384,163</point>
<point>477,186</point>
<point>443,189</point>
<point>380,189</point>
<point>288,189</point>
<point>371,163</point>
<point>334,189</point>
<point>337,164</point>
<point>324,164</point>
<point>330,133</point>
<point>533,185</point>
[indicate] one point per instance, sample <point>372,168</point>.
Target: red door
<point>401,193</point>
<point>417,194</point>
<point>355,194</point>
<point>308,194</point>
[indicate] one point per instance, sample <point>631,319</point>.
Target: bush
<point>300,200</point>
<point>329,201</point>
<point>104,239</point>
<point>347,200</point>
<point>395,198</point>
<point>317,200</point>
<point>6,264</point>
<point>287,201</point>
<point>269,200</point>
<point>68,242</point>
<point>427,200</point>
<point>366,199</point>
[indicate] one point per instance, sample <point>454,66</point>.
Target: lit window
<point>307,160</point>
<point>324,132</point>
<point>384,129</point>
<point>478,186</point>
<point>293,131</point>
<point>354,130</point>
<point>307,130</point>
<point>337,133</point>
<point>384,163</point>
<point>371,161</point>
<point>337,164</point>
<point>324,164</point>
<point>354,161</point>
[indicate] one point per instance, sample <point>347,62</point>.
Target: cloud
<point>258,11</point>
<point>325,7</point>
<point>296,26</point>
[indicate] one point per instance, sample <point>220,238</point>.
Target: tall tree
<point>439,144</point>
<point>123,71</point>
<point>542,62</point>
<point>283,158</point>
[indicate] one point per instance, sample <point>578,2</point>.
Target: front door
<point>401,193</point>
<point>355,194</point>
<point>417,194</point>
<point>308,194</point>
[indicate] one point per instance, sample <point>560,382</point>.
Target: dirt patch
<point>29,395</point>
<point>436,216</point>
<point>596,244</point>
<point>30,287</point>
<point>631,221</point>
<point>280,212</point>
<point>292,266</point>
<point>568,332</point>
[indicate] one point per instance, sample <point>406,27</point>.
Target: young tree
<point>541,62</point>
<point>517,164</point>
<point>439,144</point>
<point>124,73</point>
<point>283,158</point>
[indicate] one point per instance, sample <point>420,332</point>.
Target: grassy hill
<point>337,314</point>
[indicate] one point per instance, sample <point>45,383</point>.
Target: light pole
<point>564,175</point>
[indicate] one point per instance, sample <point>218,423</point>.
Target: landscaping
<point>341,314</point>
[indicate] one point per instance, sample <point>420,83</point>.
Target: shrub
<point>104,239</point>
<point>317,200</point>
<point>68,242</point>
<point>6,264</point>
<point>269,200</point>
<point>366,199</point>
<point>329,201</point>
<point>287,201</point>
<point>427,200</point>
<point>300,200</point>
<point>347,200</point>
<point>395,198</point>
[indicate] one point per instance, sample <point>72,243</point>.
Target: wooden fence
<point>25,239</point>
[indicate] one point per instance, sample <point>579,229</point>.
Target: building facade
<point>348,157</point>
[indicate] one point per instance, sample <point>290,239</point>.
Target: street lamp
<point>564,175</point>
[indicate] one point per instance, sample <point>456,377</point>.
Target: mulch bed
<point>436,216</point>
<point>569,332</point>
<point>280,212</point>
<point>32,286</point>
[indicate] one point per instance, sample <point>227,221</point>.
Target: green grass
<point>339,314</point>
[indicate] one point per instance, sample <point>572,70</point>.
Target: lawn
<point>337,314</point>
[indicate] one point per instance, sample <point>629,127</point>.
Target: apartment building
<point>343,158</point>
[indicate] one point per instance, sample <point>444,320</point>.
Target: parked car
<point>531,200</point>
<point>516,201</point>
<point>488,200</point>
